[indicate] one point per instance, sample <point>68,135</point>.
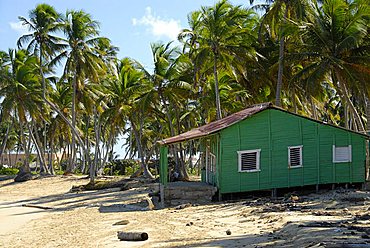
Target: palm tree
<point>43,22</point>
<point>274,20</point>
<point>22,100</point>
<point>125,103</point>
<point>220,34</point>
<point>59,132</point>
<point>167,94</point>
<point>83,61</point>
<point>334,49</point>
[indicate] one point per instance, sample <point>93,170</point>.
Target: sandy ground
<point>339,218</point>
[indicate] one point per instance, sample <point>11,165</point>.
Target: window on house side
<point>295,156</point>
<point>249,160</point>
<point>342,154</point>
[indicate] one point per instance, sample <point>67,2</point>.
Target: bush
<point>9,171</point>
<point>121,167</point>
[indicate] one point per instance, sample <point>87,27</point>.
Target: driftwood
<point>150,203</point>
<point>36,206</point>
<point>132,236</point>
<point>122,222</point>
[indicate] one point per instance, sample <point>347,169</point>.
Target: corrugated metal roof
<point>216,125</point>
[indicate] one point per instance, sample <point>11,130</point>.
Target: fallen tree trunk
<point>132,236</point>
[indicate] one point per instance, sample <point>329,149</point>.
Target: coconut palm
<point>43,22</point>
<point>168,92</point>
<point>83,61</point>
<point>22,100</point>
<point>125,104</point>
<point>335,47</point>
<point>274,21</point>
<point>220,34</point>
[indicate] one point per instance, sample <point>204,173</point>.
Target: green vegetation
<point>8,171</point>
<point>309,57</point>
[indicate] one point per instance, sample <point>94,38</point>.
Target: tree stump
<point>132,236</point>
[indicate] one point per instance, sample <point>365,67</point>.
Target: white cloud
<point>18,27</point>
<point>158,26</point>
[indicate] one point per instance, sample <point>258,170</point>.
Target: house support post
<point>274,193</point>
<point>161,192</point>
<point>163,173</point>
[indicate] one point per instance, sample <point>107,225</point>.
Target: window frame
<point>258,168</point>
<point>349,147</point>
<point>300,156</point>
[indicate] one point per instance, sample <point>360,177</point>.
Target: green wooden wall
<point>273,131</point>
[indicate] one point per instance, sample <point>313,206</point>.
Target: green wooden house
<point>265,147</point>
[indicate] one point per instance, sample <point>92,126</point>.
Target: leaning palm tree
<point>335,49</point>
<point>22,100</point>
<point>43,23</point>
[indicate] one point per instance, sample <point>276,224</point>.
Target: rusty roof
<point>218,125</point>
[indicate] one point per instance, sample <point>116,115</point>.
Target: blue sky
<point>131,25</point>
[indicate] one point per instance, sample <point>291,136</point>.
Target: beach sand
<point>87,218</point>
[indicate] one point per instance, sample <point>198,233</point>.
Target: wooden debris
<point>150,203</point>
<point>122,222</point>
<point>182,206</point>
<point>36,206</point>
<point>132,236</point>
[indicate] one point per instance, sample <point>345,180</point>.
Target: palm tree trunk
<point>368,115</point>
<point>3,143</point>
<point>41,155</point>
<point>42,146</point>
<point>345,95</point>
<point>217,93</point>
<point>73,157</point>
<point>26,165</point>
<point>97,141</point>
<point>144,167</point>
<point>109,147</point>
<point>51,167</point>
<point>73,129</point>
<point>367,142</point>
<point>281,62</point>
<point>172,131</point>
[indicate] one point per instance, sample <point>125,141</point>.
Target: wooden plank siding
<point>273,131</point>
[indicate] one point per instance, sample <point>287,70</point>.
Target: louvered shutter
<point>295,156</point>
<point>249,160</point>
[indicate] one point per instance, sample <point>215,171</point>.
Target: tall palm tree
<point>274,20</point>
<point>125,104</point>
<point>221,34</point>
<point>335,49</point>
<point>168,92</point>
<point>83,61</point>
<point>43,22</point>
